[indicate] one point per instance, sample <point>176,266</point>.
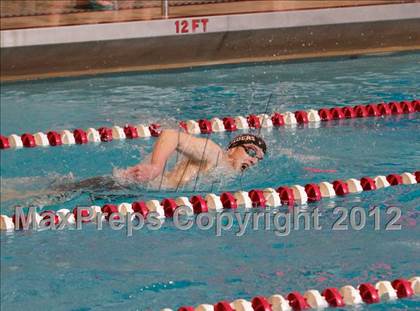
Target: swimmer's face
<point>245,156</point>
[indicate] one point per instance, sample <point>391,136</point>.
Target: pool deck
<point>85,43</point>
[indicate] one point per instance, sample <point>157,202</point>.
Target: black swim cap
<point>248,139</point>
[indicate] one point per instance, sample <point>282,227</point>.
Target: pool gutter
<point>228,39</point>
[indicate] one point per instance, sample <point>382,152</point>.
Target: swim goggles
<point>251,152</point>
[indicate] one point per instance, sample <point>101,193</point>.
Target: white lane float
<point>125,208</point>
<point>326,189</point>
<point>265,120</point>
<point>213,202</point>
<point>193,127</point>
<point>41,139</point>
<point>315,300</point>
<point>67,137</point>
<point>187,208</point>
<point>289,118</point>
<point>386,291</point>
<point>93,135</point>
<point>241,123</point>
<point>354,185</point>
<point>118,133</point>
<point>97,210</point>
<point>62,213</point>
<point>6,223</point>
<point>313,115</point>
<point>204,307</point>
<point>299,194</point>
<point>415,285</point>
<point>15,141</point>
<point>351,296</point>
<point>408,178</point>
<point>154,206</point>
<point>242,198</point>
<point>381,182</point>
<point>143,131</point>
<point>242,305</point>
<point>217,125</point>
<point>279,303</point>
<point>272,197</point>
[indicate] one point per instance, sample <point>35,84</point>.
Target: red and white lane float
<point>265,198</point>
<point>331,297</point>
<point>214,125</point>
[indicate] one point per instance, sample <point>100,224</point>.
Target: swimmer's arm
<point>197,149</point>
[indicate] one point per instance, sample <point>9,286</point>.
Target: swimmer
<point>200,157</point>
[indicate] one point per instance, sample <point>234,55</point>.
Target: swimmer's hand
<point>141,172</point>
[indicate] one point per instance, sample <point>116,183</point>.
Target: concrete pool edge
<point>154,45</point>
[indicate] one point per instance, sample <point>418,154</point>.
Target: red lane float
<point>260,303</point>
<point>395,108</point>
<point>105,134</point>
<point>349,112</point>
<point>169,206</point>
<point>384,109</point>
<point>337,113</point>
<point>257,198</point>
<point>297,301</point>
<point>340,187</point>
<point>277,119</point>
<point>223,306</point>
<point>228,200</point>
<point>407,107</point>
<point>199,204</point>
<point>325,114</point>
<point>301,117</point>
<point>403,288</point>
<point>394,179</point>
<point>372,110</point>
<point>54,138</point>
<point>84,212</point>
<point>110,209</point>
<point>360,111</point>
<point>367,184</point>
<point>369,293</point>
<point>141,208</point>
<point>80,136</point>
<point>47,215</point>
<point>416,104</point>
<point>131,132</point>
<point>417,174</point>
<point>155,129</point>
<point>333,297</point>
<point>286,195</point>
<point>253,121</point>
<point>205,126</point>
<point>229,124</point>
<point>313,192</point>
<point>28,140</point>
<point>4,142</point>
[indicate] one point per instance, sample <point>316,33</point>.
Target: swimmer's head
<point>246,150</point>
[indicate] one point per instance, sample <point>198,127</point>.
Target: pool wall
<point>184,42</point>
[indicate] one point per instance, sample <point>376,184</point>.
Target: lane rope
<point>196,204</point>
<point>365,293</point>
<point>204,126</point>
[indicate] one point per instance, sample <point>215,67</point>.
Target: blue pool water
<point>92,270</point>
